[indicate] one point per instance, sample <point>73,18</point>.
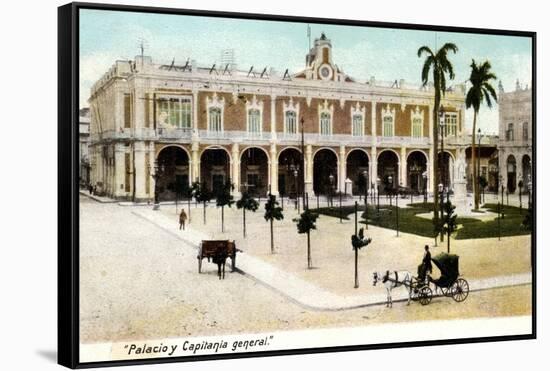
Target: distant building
<point>515,137</point>
<point>83,144</point>
<point>211,124</point>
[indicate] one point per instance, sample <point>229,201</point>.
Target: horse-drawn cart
<point>449,284</point>
<point>218,251</point>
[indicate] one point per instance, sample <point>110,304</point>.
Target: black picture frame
<point>68,191</point>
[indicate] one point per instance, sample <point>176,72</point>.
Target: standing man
<point>183,218</point>
<point>426,265</point>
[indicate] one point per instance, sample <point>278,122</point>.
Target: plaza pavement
<point>300,291</point>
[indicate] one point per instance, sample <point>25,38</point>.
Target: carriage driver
<point>426,266</point>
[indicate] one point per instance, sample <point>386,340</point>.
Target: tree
<point>305,224</point>
<point>272,212</point>
<point>480,91</point>
<point>224,198</point>
<point>247,202</point>
<point>448,225</point>
<point>440,66</point>
<point>357,242</point>
<point>202,195</point>
<point>527,222</point>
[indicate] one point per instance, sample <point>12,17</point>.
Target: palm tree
<point>224,198</point>
<point>247,203</point>
<point>305,224</point>
<point>481,90</point>
<point>272,212</point>
<point>440,66</point>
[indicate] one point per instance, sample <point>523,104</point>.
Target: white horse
<point>392,280</point>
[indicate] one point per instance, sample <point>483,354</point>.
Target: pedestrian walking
<point>183,218</point>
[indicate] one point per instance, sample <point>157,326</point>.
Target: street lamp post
<point>366,176</point>
<point>159,169</point>
<point>331,179</point>
<point>390,181</point>
<point>397,212</point>
<point>378,196</point>
<point>295,173</point>
<point>425,178</point>
<point>441,191</point>
<point>520,186</point>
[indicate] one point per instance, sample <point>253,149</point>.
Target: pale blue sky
<point>362,52</point>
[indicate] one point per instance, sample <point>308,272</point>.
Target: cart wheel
<point>460,290</point>
<point>425,295</point>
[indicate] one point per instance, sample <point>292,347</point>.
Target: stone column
<point>373,173</point>
<point>195,162</point>
<point>235,169</point>
<point>273,119</point>
<point>151,170</point>
<point>140,173</point>
<point>373,120</point>
<point>403,161</point>
<point>309,170</point>
<point>195,115</point>
<point>120,170</point>
<point>139,107</point>
<point>342,169</point>
<point>274,170</point>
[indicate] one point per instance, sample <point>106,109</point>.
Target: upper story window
<point>388,121</point>
<point>357,120</point>
<point>215,119</point>
<point>254,121</point>
<point>214,113</point>
<point>290,122</point>
<point>254,109</point>
<point>525,130</point>
<point>417,123</point>
<point>510,132</point>
<point>357,125</point>
<point>174,111</point>
<point>325,123</point>
<point>325,118</point>
<point>451,120</point>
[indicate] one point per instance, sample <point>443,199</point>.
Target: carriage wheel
<point>446,291</point>
<point>425,295</point>
<point>460,290</point>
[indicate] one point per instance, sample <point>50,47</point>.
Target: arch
<point>173,167</point>
<point>418,150</point>
<point>387,150</point>
<point>287,181</point>
<point>357,163</point>
<point>325,163</point>
<point>287,147</point>
<point>388,170</point>
<point>417,165</point>
<point>511,173</point>
<point>254,171</point>
<point>358,149</point>
<point>215,146</point>
<point>157,152</point>
<point>257,147</point>
<point>215,169</point>
<point>322,148</point>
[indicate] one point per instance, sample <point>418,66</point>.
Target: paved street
<point>140,281</point>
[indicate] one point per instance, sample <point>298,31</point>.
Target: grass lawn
<point>409,222</point>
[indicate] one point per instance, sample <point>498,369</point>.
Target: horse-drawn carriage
<point>449,284</point>
<point>218,251</point>
<point>419,288</point>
